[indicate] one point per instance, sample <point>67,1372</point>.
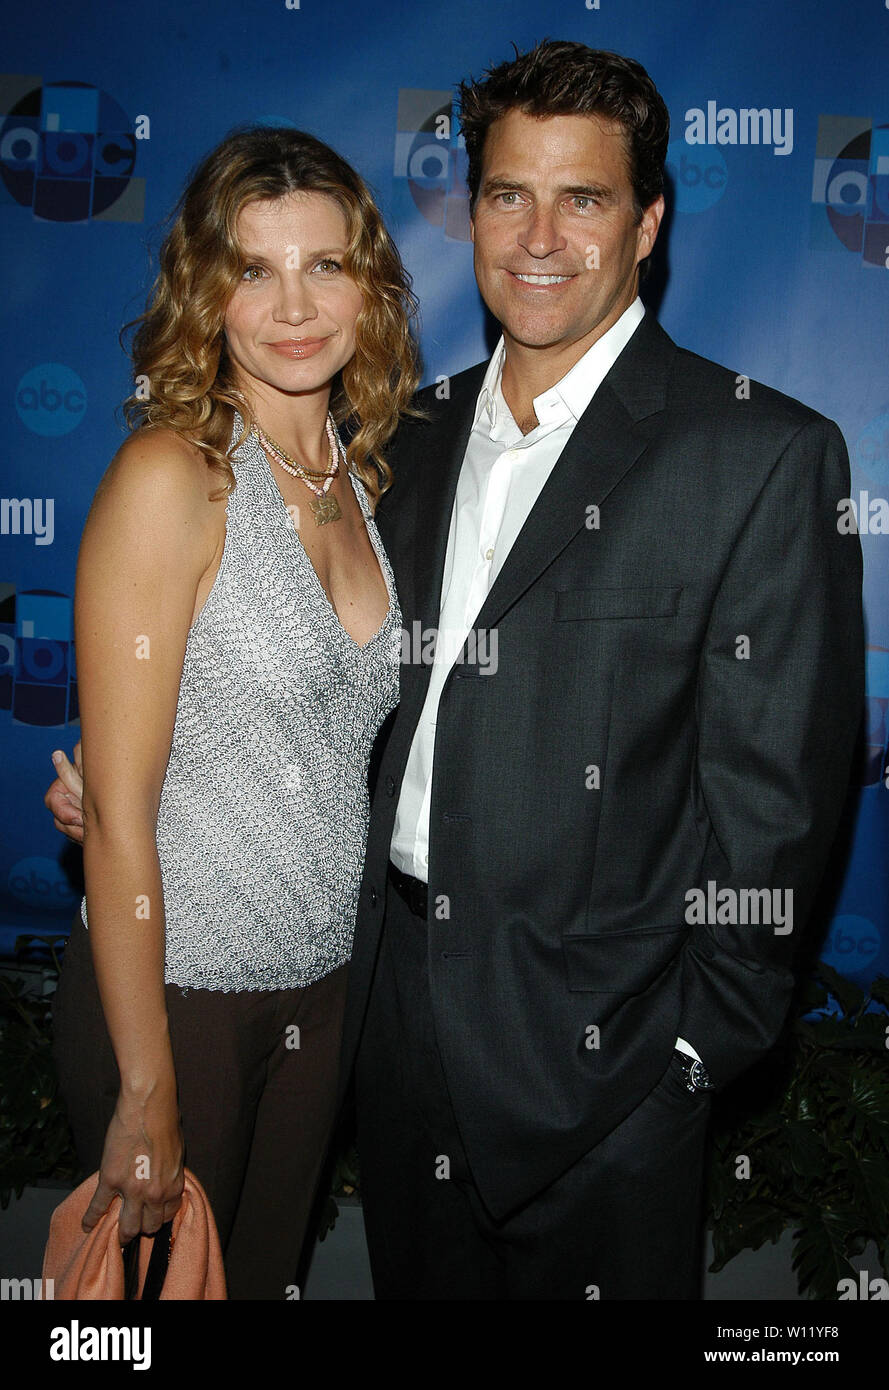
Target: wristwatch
<point>696,1076</point>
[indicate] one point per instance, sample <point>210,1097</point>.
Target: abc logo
<point>854,186</point>
<point>699,175</point>
<point>432,161</point>
<point>50,399</point>
<point>68,152</point>
<point>852,944</point>
<point>40,882</point>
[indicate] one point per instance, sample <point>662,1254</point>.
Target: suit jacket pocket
<point>575,605</point>
<point>620,962</point>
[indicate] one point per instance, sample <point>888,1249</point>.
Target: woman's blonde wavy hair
<point>179,343</point>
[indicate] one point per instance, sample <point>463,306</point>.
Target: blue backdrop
<point>776,265</point>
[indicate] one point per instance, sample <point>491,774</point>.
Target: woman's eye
<point>329,266</point>
<point>252,273</point>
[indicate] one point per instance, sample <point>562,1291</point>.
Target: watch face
<point>699,1076</point>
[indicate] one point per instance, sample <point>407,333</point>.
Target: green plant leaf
<point>879,990</point>
<point>867,1035</point>
<point>847,994</point>
<point>808,1152</point>
<point>820,1248</point>
<point>866,1101</point>
<point>818,1145</point>
<point>745,1230</point>
<point>872,1185</point>
<point>35,1138</point>
<point>812,995</point>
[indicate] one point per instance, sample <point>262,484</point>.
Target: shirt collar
<point>577,387</point>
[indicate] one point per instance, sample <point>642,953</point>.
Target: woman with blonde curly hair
<point>238,641</point>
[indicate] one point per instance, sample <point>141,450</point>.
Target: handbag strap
<point>157,1266</point>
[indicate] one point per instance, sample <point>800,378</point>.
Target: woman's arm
<point>149,538</point>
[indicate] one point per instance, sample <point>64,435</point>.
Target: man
<point>676,691</point>
<point>601,814</point>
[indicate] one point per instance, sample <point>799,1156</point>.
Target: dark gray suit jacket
<point>566,965</point>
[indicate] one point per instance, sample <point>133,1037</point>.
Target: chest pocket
<point>579,605</point>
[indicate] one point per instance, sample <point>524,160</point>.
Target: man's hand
<point>63,798</point>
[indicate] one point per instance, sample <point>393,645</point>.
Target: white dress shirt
<point>502,475</point>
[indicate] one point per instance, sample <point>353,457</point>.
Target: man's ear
<point>471,228</point>
<point>646,234</point>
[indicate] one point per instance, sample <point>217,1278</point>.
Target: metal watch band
<point>696,1076</point>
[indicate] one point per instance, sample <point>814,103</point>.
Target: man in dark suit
<point>602,812</point>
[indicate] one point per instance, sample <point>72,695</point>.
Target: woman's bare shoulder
<point>159,458</point>
<point>159,469</point>
<point>157,492</point>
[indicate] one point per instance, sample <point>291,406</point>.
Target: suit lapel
<point>605,444</point>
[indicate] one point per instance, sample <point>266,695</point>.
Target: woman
<point>238,640</point>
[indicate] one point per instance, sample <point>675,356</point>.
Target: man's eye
<point>505,198</point>
<point>584,201</point>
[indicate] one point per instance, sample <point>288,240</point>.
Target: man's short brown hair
<point>558,78</point>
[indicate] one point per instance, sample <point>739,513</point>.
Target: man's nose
<point>540,234</point>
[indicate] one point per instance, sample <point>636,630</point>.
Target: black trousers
<point>256,1113</point>
<point>625,1222</point>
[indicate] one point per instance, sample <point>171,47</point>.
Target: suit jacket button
<point>390,786</point>
<point>373,897</point>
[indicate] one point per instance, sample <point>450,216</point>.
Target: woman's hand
<point>143,1161</point>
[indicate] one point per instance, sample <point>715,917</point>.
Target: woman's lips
<point>297,347</point>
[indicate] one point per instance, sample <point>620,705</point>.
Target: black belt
<point>413,890</point>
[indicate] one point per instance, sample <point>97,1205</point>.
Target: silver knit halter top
<point>263,813</point>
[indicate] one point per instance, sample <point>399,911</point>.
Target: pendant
<point>325,509</point>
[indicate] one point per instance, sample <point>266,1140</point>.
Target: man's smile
<point>538,281</point>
